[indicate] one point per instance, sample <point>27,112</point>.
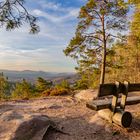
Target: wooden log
<point>120,117</point>
<point>103,104</point>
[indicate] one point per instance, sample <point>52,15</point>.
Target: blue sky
<point>43,51</point>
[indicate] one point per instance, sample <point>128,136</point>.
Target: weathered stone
<point>16,125</point>
<point>86,95</point>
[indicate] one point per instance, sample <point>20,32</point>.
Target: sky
<point>43,51</point>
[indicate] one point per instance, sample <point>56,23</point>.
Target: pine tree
<point>42,84</point>
<point>23,90</point>
<point>63,85</point>
<point>100,24</point>
<point>4,86</point>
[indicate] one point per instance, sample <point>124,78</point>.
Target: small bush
<point>61,91</point>
<point>55,92</point>
<point>63,85</point>
<point>42,84</point>
<point>23,90</point>
<point>46,93</point>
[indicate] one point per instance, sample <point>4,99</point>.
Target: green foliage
<point>23,90</point>
<point>135,25</point>
<point>133,1</point>
<point>127,55</point>
<point>4,87</point>
<point>46,88</point>
<point>59,91</point>
<point>81,84</point>
<point>56,92</point>
<point>88,79</point>
<point>42,84</point>
<point>13,14</point>
<point>64,85</point>
<point>94,37</point>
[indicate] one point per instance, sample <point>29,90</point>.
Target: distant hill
<point>31,76</point>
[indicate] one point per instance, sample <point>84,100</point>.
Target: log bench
<point>113,109</point>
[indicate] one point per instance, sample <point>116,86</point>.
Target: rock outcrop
<point>86,95</point>
<point>17,126</point>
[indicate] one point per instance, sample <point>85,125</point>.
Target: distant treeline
<point>42,88</point>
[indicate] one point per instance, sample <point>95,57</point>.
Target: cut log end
<point>121,118</point>
<point>126,119</point>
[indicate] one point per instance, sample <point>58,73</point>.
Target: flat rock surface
<point>60,118</point>
<point>86,95</point>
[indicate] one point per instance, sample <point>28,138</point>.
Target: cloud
<point>50,5</point>
<point>20,50</point>
<point>39,59</point>
<point>56,12</point>
<point>71,15</point>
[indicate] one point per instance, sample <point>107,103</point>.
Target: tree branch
<point>116,36</point>
<point>94,37</point>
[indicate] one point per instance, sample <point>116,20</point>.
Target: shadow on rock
<point>33,129</point>
<point>136,125</point>
<point>82,129</point>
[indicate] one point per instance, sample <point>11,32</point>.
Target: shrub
<point>81,84</point>
<point>42,84</point>
<point>4,87</point>
<point>55,92</point>
<point>62,91</point>
<point>63,85</point>
<point>23,90</point>
<point>46,92</point>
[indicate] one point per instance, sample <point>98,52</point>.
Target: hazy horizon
<point>1,70</point>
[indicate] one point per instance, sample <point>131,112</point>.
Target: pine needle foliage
<point>100,24</point>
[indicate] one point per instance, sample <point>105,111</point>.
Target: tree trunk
<point>103,66</point>
<point>102,77</point>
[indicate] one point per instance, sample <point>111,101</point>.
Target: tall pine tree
<point>100,23</point>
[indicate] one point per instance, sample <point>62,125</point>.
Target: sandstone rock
<point>86,95</point>
<point>18,126</point>
<point>32,129</point>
